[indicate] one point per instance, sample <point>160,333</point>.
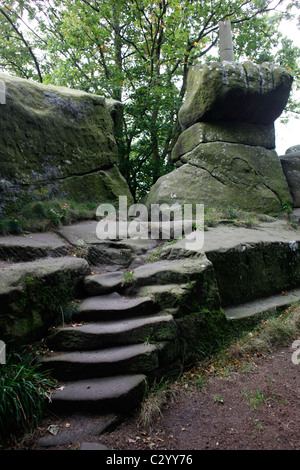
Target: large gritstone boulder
<point>231,91</point>
<point>56,142</point>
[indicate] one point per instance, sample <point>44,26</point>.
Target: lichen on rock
<point>56,142</point>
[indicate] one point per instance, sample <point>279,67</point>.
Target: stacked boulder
<point>226,154</point>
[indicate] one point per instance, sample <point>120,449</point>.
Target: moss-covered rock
<point>56,142</point>
<point>230,91</point>
<point>237,133</point>
<point>225,175</point>
<point>32,295</point>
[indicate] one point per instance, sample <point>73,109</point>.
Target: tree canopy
<point>138,52</point>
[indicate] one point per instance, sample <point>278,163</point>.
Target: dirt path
<point>256,408</point>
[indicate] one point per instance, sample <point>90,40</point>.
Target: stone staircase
<point>117,342</point>
<point>126,333</point>
<point>145,306</point>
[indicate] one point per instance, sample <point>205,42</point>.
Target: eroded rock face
<point>235,92</point>
<point>56,142</point>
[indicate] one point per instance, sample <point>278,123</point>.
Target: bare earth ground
<point>257,408</point>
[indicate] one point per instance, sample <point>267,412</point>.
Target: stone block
<point>239,92</point>
<point>231,132</point>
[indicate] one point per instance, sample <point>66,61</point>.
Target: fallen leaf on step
<point>53,429</point>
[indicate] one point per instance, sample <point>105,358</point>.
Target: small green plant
<point>154,255</point>
<point>286,207</point>
<point>255,399</point>
<point>128,278</point>
<point>24,391</point>
<point>258,424</point>
<point>218,399</point>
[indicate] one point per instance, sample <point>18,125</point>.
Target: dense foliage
<point>139,52</point>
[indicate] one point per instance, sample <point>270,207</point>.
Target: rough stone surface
<point>244,259</point>
<point>265,305</point>
<point>111,333</point>
<point>56,142</point>
<point>236,133</point>
<point>119,393</point>
<point>225,155</point>
<point>125,359</point>
<point>293,149</point>
<point>30,294</point>
<point>225,175</point>
<point>113,306</point>
<point>106,283</point>
<point>235,92</point>
<point>31,247</point>
<point>290,163</point>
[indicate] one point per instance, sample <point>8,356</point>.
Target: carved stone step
<point>113,306</point>
<point>130,359</point>
<point>120,393</point>
<point>112,333</point>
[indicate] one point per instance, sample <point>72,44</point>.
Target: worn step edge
<point>99,284</point>
<point>261,306</point>
<point>120,393</point>
<point>103,334</point>
<point>137,358</point>
<point>114,306</point>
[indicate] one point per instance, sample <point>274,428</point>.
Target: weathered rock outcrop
<point>290,163</point>
<point>32,293</point>
<point>56,142</point>
<point>231,91</point>
<point>226,153</point>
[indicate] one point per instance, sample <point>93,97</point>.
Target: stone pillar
<point>226,47</point>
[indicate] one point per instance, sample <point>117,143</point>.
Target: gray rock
<point>238,133</point>
<point>112,333</point>
<point>225,175</point>
<point>31,247</point>
<point>291,168</point>
<point>81,428</point>
<point>31,293</point>
<point>235,92</point>
<point>127,359</point>
<point>98,284</point>
<point>113,306</point>
<point>92,446</point>
<point>56,142</point>
<point>293,149</point>
<point>119,393</point>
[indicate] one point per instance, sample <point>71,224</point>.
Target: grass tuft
<point>46,215</point>
<point>24,392</point>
